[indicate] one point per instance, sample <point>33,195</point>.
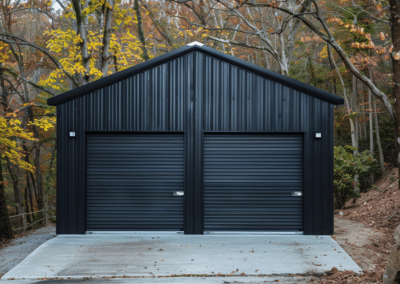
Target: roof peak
<point>195,43</point>
<point>195,46</point>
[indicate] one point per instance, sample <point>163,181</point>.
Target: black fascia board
<point>293,83</point>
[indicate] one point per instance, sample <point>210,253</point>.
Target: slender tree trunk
<point>395,29</point>
<point>39,178</point>
<point>48,183</point>
<point>378,141</point>
<point>145,54</point>
<point>105,53</point>
<point>355,109</point>
<point>31,189</point>
<point>371,130</point>
<point>346,98</point>
<point>34,191</point>
<point>17,195</point>
<point>6,231</point>
<point>365,124</point>
<point>82,24</point>
<point>28,216</point>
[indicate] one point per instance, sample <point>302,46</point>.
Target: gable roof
<point>295,84</point>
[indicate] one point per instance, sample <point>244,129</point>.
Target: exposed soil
<point>364,228</point>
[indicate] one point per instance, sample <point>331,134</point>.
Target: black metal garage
<point>195,141</point>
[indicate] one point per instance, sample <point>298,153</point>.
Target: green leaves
<point>346,166</point>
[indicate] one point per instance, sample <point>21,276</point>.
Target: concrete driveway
<point>130,255</point>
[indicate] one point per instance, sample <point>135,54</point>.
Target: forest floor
<point>364,229</point>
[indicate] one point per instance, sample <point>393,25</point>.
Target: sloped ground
<point>379,211</point>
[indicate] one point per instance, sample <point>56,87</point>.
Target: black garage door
<point>253,182</point>
<point>130,181</point>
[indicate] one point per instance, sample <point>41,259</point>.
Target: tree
<point>316,20</point>
<point>11,150</point>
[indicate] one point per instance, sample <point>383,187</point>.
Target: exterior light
<point>318,135</point>
<point>72,134</point>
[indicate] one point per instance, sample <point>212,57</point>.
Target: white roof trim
<point>195,43</point>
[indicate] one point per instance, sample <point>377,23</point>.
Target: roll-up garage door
<point>131,180</point>
<point>253,183</point>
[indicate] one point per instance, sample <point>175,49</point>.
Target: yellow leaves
<point>324,52</point>
<point>45,123</point>
<point>11,136</point>
<point>379,7</point>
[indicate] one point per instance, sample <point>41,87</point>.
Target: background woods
<point>349,48</point>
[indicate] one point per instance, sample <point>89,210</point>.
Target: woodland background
<point>348,47</point>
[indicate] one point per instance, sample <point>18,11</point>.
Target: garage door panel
<point>130,180</point>
<point>249,182</point>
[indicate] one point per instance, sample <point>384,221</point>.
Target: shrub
<point>346,166</point>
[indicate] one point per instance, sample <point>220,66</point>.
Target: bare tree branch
<point>20,41</point>
<point>16,75</point>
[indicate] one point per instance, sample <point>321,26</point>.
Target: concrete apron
<point>119,255</point>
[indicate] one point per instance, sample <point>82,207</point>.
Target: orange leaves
<point>363,45</point>
<point>382,36</point>
<point>396,56</point>
<point>335,20</point>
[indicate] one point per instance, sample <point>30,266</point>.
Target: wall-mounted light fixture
<point>318,135</point>
<point>72,134</point>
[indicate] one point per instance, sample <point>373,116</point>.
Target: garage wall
<point>194,94</point>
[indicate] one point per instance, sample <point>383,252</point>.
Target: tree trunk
<point>6,231</point>
<point>378,141</point>
<point>82,24</point>
<point>142,40</point>
<point>105,52</point>
<point>48,184</point>
<point>395,29</point>
<point>355,109</point>
<point>39,179</point>
<point>356,122</point>
<point>33,183</point>
<point>346,99</point>
<point>371,130</point>
<point>28,216</point>
<point>18,196</point>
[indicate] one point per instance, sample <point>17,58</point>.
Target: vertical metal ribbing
<point>171,97</point>
<point>330,205</point>
<point>80,163</point>
<point>61,204</point>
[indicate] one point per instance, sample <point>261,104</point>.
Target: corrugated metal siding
<point>249,181</point>
<point>130,180</point>
<point>194,94</point>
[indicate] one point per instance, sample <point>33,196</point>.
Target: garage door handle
<point>179,193</point>
<point>297,193</point>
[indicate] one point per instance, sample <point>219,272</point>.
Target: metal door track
<point>136,232</point>
<point>251,233</point>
